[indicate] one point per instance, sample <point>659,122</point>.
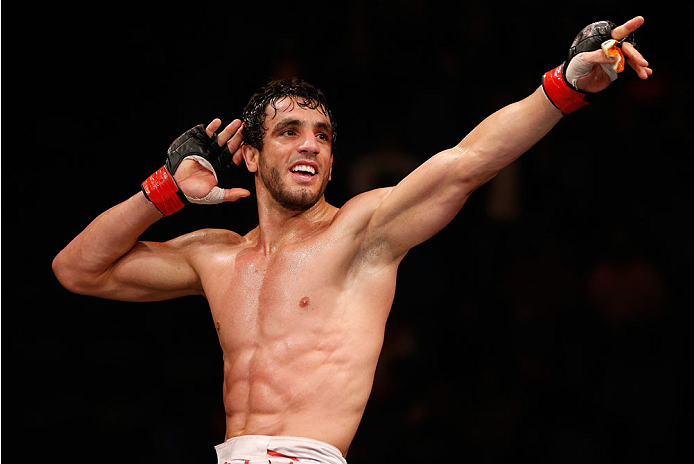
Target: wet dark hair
<point>304,94</point>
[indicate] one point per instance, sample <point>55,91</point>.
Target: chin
<point>300,202</point>
<point>292,196</point>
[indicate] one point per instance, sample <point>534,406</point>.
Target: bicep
<point>422,203</point>
<point>150,271</point>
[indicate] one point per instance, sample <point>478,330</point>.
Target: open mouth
<point>304,171</point>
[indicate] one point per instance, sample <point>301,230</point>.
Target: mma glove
<point>161,187</point>
<point>559,84</point>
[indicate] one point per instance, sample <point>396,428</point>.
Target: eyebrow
<point>282,125</point>
<point>325,126</point>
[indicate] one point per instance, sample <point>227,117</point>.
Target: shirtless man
<point>301,302</point>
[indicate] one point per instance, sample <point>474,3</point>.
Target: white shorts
<point>257,449</point>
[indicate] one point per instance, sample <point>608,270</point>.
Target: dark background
<point>546,321</point>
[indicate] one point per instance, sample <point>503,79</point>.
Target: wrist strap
<point>162,190</point>
<point>566,99</point>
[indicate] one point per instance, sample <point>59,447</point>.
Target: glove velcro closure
<point>558,91</point>
<point>162,190</point>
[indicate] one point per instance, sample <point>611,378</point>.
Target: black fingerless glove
<point>195,143</point>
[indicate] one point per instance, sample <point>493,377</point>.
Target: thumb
<point>234,194</point>
<point>597,57</point>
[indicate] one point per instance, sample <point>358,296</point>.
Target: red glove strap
<point>161,189</point>
<point>559,93</point>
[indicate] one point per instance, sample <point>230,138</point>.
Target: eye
<point>289,132</point>
<point>323,136</point>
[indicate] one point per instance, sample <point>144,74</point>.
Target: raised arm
<point>107,260</point>
<point>428,199</point>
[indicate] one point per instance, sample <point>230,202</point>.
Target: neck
<point>280,226</point>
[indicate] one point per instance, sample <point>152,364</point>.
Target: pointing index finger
<point>627,28</point>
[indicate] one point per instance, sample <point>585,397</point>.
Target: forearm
<point>505,135</point>
<point>104,241</point>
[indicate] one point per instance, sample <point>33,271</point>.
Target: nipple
<point>304,302</point>
<point>218,326</point>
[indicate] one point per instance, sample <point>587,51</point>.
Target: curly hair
<point>304,94</point>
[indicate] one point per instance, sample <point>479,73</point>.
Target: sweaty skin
<point>300,302</point>
<point>290,370</point>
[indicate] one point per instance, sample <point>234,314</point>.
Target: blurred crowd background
<point>545,322</point>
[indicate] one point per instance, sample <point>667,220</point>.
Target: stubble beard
<point>299,199</point>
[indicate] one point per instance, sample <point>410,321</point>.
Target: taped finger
<point>612,51</point>
<point>215,196</point>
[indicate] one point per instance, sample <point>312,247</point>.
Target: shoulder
<point>354,219</point>
<point>207,239</point>
<point>359,210</point>
<point>206,249</point>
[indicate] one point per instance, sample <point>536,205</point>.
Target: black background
<point>546,321</point>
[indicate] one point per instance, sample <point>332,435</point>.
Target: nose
<point>308,143</point>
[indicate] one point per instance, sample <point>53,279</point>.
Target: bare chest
<point>256,297</point>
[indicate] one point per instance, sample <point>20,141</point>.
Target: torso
<point>301,328</point>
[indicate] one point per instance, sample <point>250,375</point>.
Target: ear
<point>250,156</point>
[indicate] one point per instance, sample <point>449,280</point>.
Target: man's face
<point>296,161</point>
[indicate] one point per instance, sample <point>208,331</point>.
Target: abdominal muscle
<point>311,383</point>
<point>301,331</point>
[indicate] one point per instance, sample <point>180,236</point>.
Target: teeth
<point>304,168</point>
